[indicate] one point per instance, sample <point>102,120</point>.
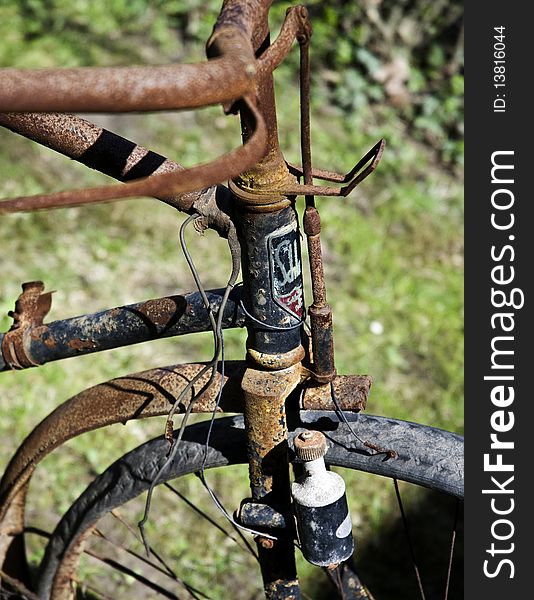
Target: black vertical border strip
<point>488,132</point>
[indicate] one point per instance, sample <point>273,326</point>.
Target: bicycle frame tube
<point>96,148</point>
<point>116,327</point>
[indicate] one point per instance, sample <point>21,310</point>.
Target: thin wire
<point>120,567</point>
<point>204,514</point>
<point>235,250</point>
<point>220,506</point>
<point>375,447</point>
<point>266,325</point>
<point>273,327</point>
<point>237,526</point>
<point>131,573</point>
<point>164,571</point>
<point>340,583</point>
<point>211,365</point>
<point>214,412</point>
<point>18,586</point>
<point>410,546</point>
<point>115,513</point>
<point>341,414</point>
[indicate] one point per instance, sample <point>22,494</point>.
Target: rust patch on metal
<point>288,589</point>
<point>320,312</point>
<point>265,393</point>
<point>49,341</point>
<point>265,543</point>
<point>322,343</point>
<point>380,450</point>
<point>316,268</point>
<point>147,88</point>
<point>31,307</point>
<point>310,445</point>
<point>275,362</point>
<point>41,332</point>
<point>311,221</point>
<point>161,311</point>
<point>353,178</point>
<point>64,584</point>
<point>296,25</point>
<point>352,392</point>
<point>79,344</point>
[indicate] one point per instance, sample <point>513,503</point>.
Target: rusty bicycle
<point>288,403</point>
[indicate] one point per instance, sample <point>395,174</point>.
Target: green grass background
<point>393,262</point>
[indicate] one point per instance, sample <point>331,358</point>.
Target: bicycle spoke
<point>19,587</point>
<point>213,522</point>
<point>83,585</point>
<point>156,555</point>
<point>451,552</point>
<point>130,572</point>
<point>408,538</point>
<point>117,566</point>
<point>339,583</point>
<point>166,571</point>
<point>166,568</point>
<point>348,583</point>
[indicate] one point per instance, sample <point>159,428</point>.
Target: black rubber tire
<point>426,456</point>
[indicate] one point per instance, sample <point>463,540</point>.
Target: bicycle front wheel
<point>425,456</point>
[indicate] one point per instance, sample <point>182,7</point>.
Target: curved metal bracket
<point>354,177</point>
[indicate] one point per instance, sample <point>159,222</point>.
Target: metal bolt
<point>310,445</point>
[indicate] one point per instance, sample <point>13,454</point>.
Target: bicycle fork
<point>274,300</point>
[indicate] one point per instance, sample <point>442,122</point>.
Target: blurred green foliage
<point>405,53</point>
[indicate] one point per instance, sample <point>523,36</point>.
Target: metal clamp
<point>354,177</point>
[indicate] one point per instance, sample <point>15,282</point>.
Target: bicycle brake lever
<point>354,177</point>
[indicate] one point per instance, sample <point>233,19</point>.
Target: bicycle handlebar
<point>227,76</point>
<point>232,73</point>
